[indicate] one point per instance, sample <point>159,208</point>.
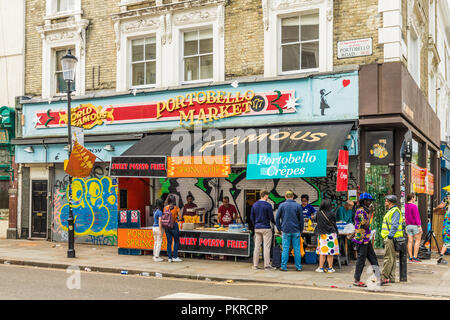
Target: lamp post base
<point>71,253</point>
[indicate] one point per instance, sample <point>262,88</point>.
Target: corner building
<point>290,75</point>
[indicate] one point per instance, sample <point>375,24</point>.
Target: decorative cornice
<point>167,8</point>
<point>140,24</point>
<point>72,29</point>
<point>60,27</point>
<point>292,4</point>
<point>195,16</point>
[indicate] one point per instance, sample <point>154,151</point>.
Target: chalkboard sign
<point>138,167</point>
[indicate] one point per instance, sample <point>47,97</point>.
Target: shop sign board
<point>138,167</point>
<point>193,108</point>
<point>80,163</point>
<point>430,184</point>
<point>418,178</point>
<point>354,48</point>
<point>314,99</point>
<point>223,243</point>
<point>198,167</point>
<point>342,173</point>
<point>191,241</point>
<point>380,147</point>
<point>297,164</point>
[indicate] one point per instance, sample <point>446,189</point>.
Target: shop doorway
<point>250,196</point>
<point>134,194</point>
<point>379,183</point>
<point>39,209</point>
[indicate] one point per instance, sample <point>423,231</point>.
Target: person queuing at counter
<point>189,207</point>
<point>290,222</point>
<point>157,230</point>
<point>261,216</point>
<point>173,234</point>
<point>227,213</point>
<point>327,233</point>
<point>345,212</point>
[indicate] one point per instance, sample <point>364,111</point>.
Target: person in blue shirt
<point>261,216</point>
<point>308,212</point>
<point>290,222</point>
<point>307,209</point>
<point>345,212</point>
<point>157,230</point>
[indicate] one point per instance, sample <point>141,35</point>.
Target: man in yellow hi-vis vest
<point>392,228</point>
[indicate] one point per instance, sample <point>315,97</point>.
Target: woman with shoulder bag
<point>362,238</point>
<point>327,233</point>
<point>174,232</point>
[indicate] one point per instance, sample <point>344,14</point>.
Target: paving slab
<point>426,278</point>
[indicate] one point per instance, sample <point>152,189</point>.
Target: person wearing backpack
<point>157,230</point>
<point>169,220</point>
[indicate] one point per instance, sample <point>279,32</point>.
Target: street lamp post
<point>68,63</point>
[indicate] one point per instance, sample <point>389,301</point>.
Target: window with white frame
<point>65,5</point>
<point>432,92</point>
<point>300,43</point>
<point>414,56</point>
<point>60,84</point>
<point>143,62</point>
<point>61,7</point>
<point>198,55</point>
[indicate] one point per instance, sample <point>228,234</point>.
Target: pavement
<point>424,279</point>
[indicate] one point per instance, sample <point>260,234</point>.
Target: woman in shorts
<point>413,227</point>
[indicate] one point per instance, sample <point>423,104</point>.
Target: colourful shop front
<point>317,114</point>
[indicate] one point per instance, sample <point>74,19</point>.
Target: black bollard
<point>403,266</point>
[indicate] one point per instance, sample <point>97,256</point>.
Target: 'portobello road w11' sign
<point>189,109</point>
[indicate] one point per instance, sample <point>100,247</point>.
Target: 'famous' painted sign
<point>283,165</point>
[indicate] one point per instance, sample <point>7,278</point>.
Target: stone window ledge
<point>62,15</point>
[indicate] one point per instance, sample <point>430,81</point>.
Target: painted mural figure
<point>323,102</point>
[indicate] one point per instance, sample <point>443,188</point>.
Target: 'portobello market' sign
<point>191,109</point>
<point>283,165</point>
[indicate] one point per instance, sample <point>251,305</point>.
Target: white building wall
<point>443,68</point>
<point>12,30</point>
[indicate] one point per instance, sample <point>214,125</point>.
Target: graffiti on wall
<point>326,187</point>
<point>204,190</point>
<point>94,207</point>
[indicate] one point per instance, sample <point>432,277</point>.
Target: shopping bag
<point>302,250</point>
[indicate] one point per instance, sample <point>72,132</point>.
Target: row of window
<point>299,45</point>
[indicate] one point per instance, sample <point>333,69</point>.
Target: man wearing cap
<point>392,228</point>
<point>290,222</point>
